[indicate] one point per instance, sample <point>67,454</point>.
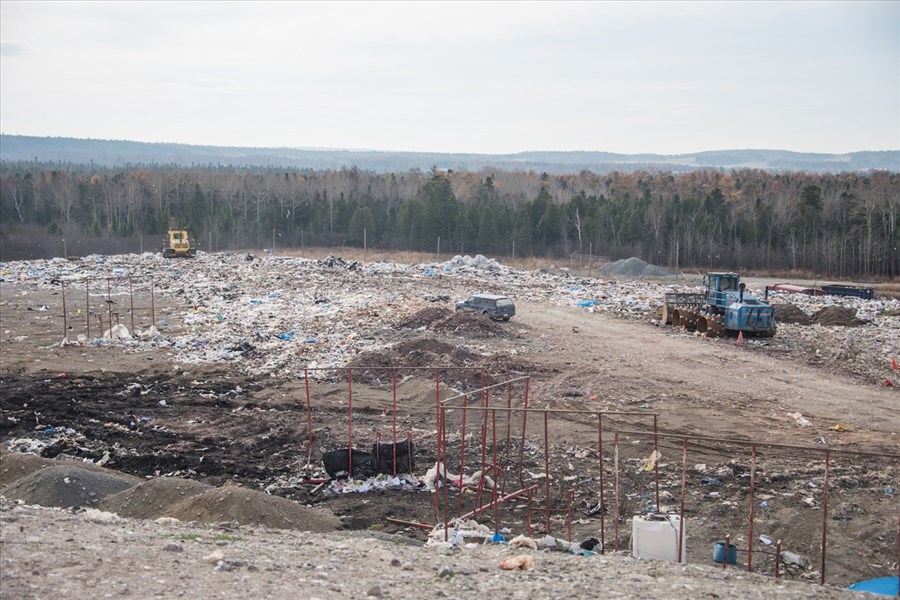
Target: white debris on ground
<point>279,315</point>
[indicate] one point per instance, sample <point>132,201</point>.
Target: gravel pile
<point>633,267</point>
<point>68,486</point>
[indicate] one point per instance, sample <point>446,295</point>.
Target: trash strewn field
<point>203,383</point>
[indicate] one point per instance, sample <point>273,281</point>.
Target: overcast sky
<point>667,77</point>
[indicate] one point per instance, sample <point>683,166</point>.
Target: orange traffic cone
<point>894,364</point>
<point>740,337</point>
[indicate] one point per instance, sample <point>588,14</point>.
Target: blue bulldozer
<point>725,306</point>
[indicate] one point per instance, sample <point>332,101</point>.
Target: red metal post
<point>109,304</point>
<point>439,443</point>
<point>683,494</point>
<point>508,436</point>
<point>547,470</point>
<point>496,470</point>
<point>152,303</point>
<point>87,305</point>
<point>350,423</point>
<point>777,559</point>
<point>752,507</point>
<point>727,547</point>
<point>524,423</point>
<point>528,523</point>
<point>394,418</point>
<point>442,434</point>
<point>131,294</point>
<point>602,506</point>
<point>825,516</point>
<point>462,456</point>
<point>484,426</point>
<point>62,287</point>
<point>616,490</point>
<point>309,441</point>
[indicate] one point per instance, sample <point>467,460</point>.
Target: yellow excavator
<point>178,245</point>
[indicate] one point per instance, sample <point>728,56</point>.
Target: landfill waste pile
<point>210,391</point>
<point>272,314</point>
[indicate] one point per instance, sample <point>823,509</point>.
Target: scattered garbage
<point>459,531</point>
<point>522,541</point>
<point>225,307</point>
<point>523,561</point>
<point>800,420</point>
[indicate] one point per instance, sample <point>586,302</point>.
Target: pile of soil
<point>15,465</point>
<point>460,368</point>
<point>249,507</point>
<point>426,317</point>
<point>421,352</point>
<point>68,486</point>
<point>151,499</point>
<point>788,313</point>
<point>837,315</point>
<point>469,323</point>
<point>49,483</point>
<point>443,320</point>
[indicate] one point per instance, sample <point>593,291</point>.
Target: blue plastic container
<point>719,553</point>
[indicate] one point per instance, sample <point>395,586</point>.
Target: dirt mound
<point>15,465</point>
<point>422,352</point>
<point>151,499</point>
<point>837,315</point>
<point>249,507</point>
<point>443,320</point>
<point>788,313</point>
<point>66,486</point>
<point>427,317</point>
<point>469,323</point>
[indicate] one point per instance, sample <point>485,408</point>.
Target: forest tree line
<point>832,224</point>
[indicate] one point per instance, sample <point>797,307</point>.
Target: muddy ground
<point>150,415</point>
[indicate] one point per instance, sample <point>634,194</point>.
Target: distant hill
<point>120,153</point>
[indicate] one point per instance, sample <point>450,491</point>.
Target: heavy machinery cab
<point>722,289</point>
<point>178,244</point>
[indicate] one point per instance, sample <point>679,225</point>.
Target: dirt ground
<point>149,415</point>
